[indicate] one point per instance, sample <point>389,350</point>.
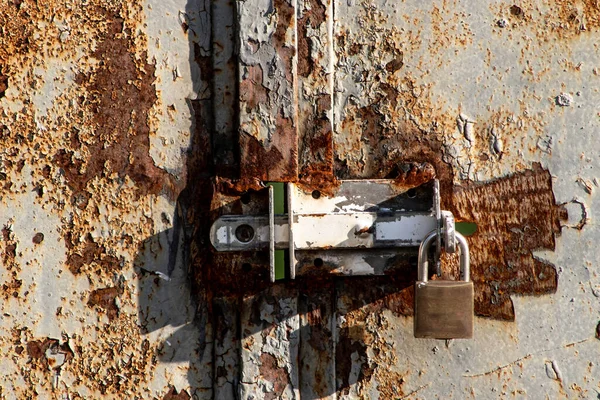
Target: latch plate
<point>354,232</point>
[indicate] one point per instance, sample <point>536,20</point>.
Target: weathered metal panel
<point>269,345</point>
<point>93,116</point>
<point>315,93</point>
<point>317,341</point>
<point>482,91</point>
<point>119,122</point>
<point>227,347</point>
<point>268,90</point>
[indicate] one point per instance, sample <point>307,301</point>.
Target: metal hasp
<point>358,230</point>
<point>444,309</point>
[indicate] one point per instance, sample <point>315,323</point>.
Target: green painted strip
<point>279,207</point>
<point>278,196</point>
<point>279,264</point>
<point>466,228</point>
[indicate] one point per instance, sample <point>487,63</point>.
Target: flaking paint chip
<point>564,100</point>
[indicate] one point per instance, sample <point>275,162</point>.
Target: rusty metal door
<point>127,127</point>
<point>372,89</point>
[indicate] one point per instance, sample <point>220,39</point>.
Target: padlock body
<point>444,309</point>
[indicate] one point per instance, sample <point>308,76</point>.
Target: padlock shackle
<point>423,266</point>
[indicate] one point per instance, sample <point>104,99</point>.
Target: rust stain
<point>37,350</point>
<point>316,172</point>
<point>273,158</point>
<point>93,136</point>
<point>12,286</point>
<point>121,93</point>
<point>271,372</point>
<point>285,20</point>
<point>313,17</point>
<point>396,63</point>
<point>105,299</point>
<point>38,238</point>
<point>346,348</point>
<point>236,187</point>
<point>387,162</point>
<point>561,19</point>
<point>390,387</point>
<point>515,216</point>
<point>252,91</point>
<point>316,361</point>
<point>411,175</point>
<point>85,256</point>
<point>172,394</point>
<point>3,83</point>
<point>16,21</point>
<point>267,162</point>
<point>10,249</point>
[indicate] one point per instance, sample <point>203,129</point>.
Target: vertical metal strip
<point>438,217</point>
<point>224,93</point>
<point>271,233</point>
<point>316,307</point>
<point>290,198</point>
<point>268,98</point>
<point>315,71</point>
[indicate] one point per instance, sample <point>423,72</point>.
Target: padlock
<point>443,309</point>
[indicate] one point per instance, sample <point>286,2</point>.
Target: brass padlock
<point>443,309</point>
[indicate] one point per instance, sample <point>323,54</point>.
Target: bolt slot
<point>244,233</point>
<point>245,198</point>
<point>411,193</point>
<point>246,267</point>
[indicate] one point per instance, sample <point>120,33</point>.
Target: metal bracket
<point>354,232</point>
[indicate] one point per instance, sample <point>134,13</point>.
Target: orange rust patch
<point>277,159</point>
<point>391,386</point>
<point>267,164</point>
<point>252,91</point>
<point>173,395</point>
<point>411,175</point>
<point>90,253</point>
<point>564,19</point>
<point>36,350</point>
<point>274,374</point>
<point>313,17</point>
<point>316,172</point>
<point>12,288</point>
<point>15,20</point>
<point>120,97</point>
<point>105,299</point>
<point>515,216</point>
<point>285,20</point>
<point>3,83</point>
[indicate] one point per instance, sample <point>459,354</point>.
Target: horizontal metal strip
<point>348,262</point>
<point>322,231</point>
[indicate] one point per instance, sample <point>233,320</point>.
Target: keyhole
<point>244,233</point>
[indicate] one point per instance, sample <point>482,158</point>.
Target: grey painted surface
<point>480,78</point>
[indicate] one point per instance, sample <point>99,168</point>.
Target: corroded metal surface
<point>90,181</point>
<point>315,93</point>
<point>268,89</point>
<point>119,142</point>
<point>269,355</point>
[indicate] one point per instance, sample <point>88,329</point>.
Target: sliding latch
<point>359,230</point>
